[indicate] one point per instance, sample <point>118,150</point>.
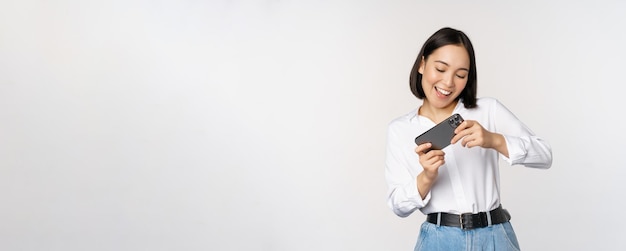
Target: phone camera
<point>455,121</point>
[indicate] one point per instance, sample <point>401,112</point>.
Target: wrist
<point>499,144</point>
<point>424,183</point>
<point>426,179</point>
<point>497,140</point>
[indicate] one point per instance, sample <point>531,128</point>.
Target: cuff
<point>516,148</point>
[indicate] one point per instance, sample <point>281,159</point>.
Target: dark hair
<point>442,37</point>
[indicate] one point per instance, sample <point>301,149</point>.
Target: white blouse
<point>469,181</point>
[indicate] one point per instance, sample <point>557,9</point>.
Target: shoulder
<point>402,121</point>
<point>485,106</point>
<point>488,103</point>
<point>404,118</point>
<point>489,106</point>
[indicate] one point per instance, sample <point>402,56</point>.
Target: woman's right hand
<point>430,161</point>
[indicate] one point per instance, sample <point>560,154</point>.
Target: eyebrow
<point>439,61</point>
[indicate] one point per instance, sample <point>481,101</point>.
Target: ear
<point>421,68</point>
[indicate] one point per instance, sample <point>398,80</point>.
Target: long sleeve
<point>402,197</point>
<point>525,148</point>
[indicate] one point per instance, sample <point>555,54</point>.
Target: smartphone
<point>441,134</point>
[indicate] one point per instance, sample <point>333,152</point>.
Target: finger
<point>434,155</point>
<point>460,135</point>
<point>456,138</point>
<point>466,143</point>
<point>439,162</point>
<point>461,127</point>
<point>421,149</point>
<point>464,125</point>
<point>469,139</point>
<point>470,142</point>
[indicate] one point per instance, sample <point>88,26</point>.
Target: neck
<point>436,114</point>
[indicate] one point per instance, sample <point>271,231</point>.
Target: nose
<point>448,79</point>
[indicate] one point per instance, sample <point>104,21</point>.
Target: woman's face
<point>444,75</point>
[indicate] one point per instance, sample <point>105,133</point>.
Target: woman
<point>458,187</point>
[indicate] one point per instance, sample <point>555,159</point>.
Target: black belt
<point>470,221</point>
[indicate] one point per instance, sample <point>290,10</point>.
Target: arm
<point>403,196</point>
<point>524,147</point>
<point>473,134</point>
<point>430,161</point>
<point>516,143</point>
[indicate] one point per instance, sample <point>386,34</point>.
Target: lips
<point>442,91</point>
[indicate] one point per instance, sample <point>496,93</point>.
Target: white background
<point>260,125</point>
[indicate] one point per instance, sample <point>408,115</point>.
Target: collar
<point>413,117</point>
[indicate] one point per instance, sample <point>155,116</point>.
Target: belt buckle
<point>461,221</point>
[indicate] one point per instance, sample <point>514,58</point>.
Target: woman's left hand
<point>473,134</point>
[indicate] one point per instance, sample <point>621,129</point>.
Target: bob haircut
<point>446,36</point>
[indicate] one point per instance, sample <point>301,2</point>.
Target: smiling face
<point>444,76</point>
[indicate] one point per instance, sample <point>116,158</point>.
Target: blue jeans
<point>499,237</point>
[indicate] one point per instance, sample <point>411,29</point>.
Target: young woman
<point>458,187</point>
